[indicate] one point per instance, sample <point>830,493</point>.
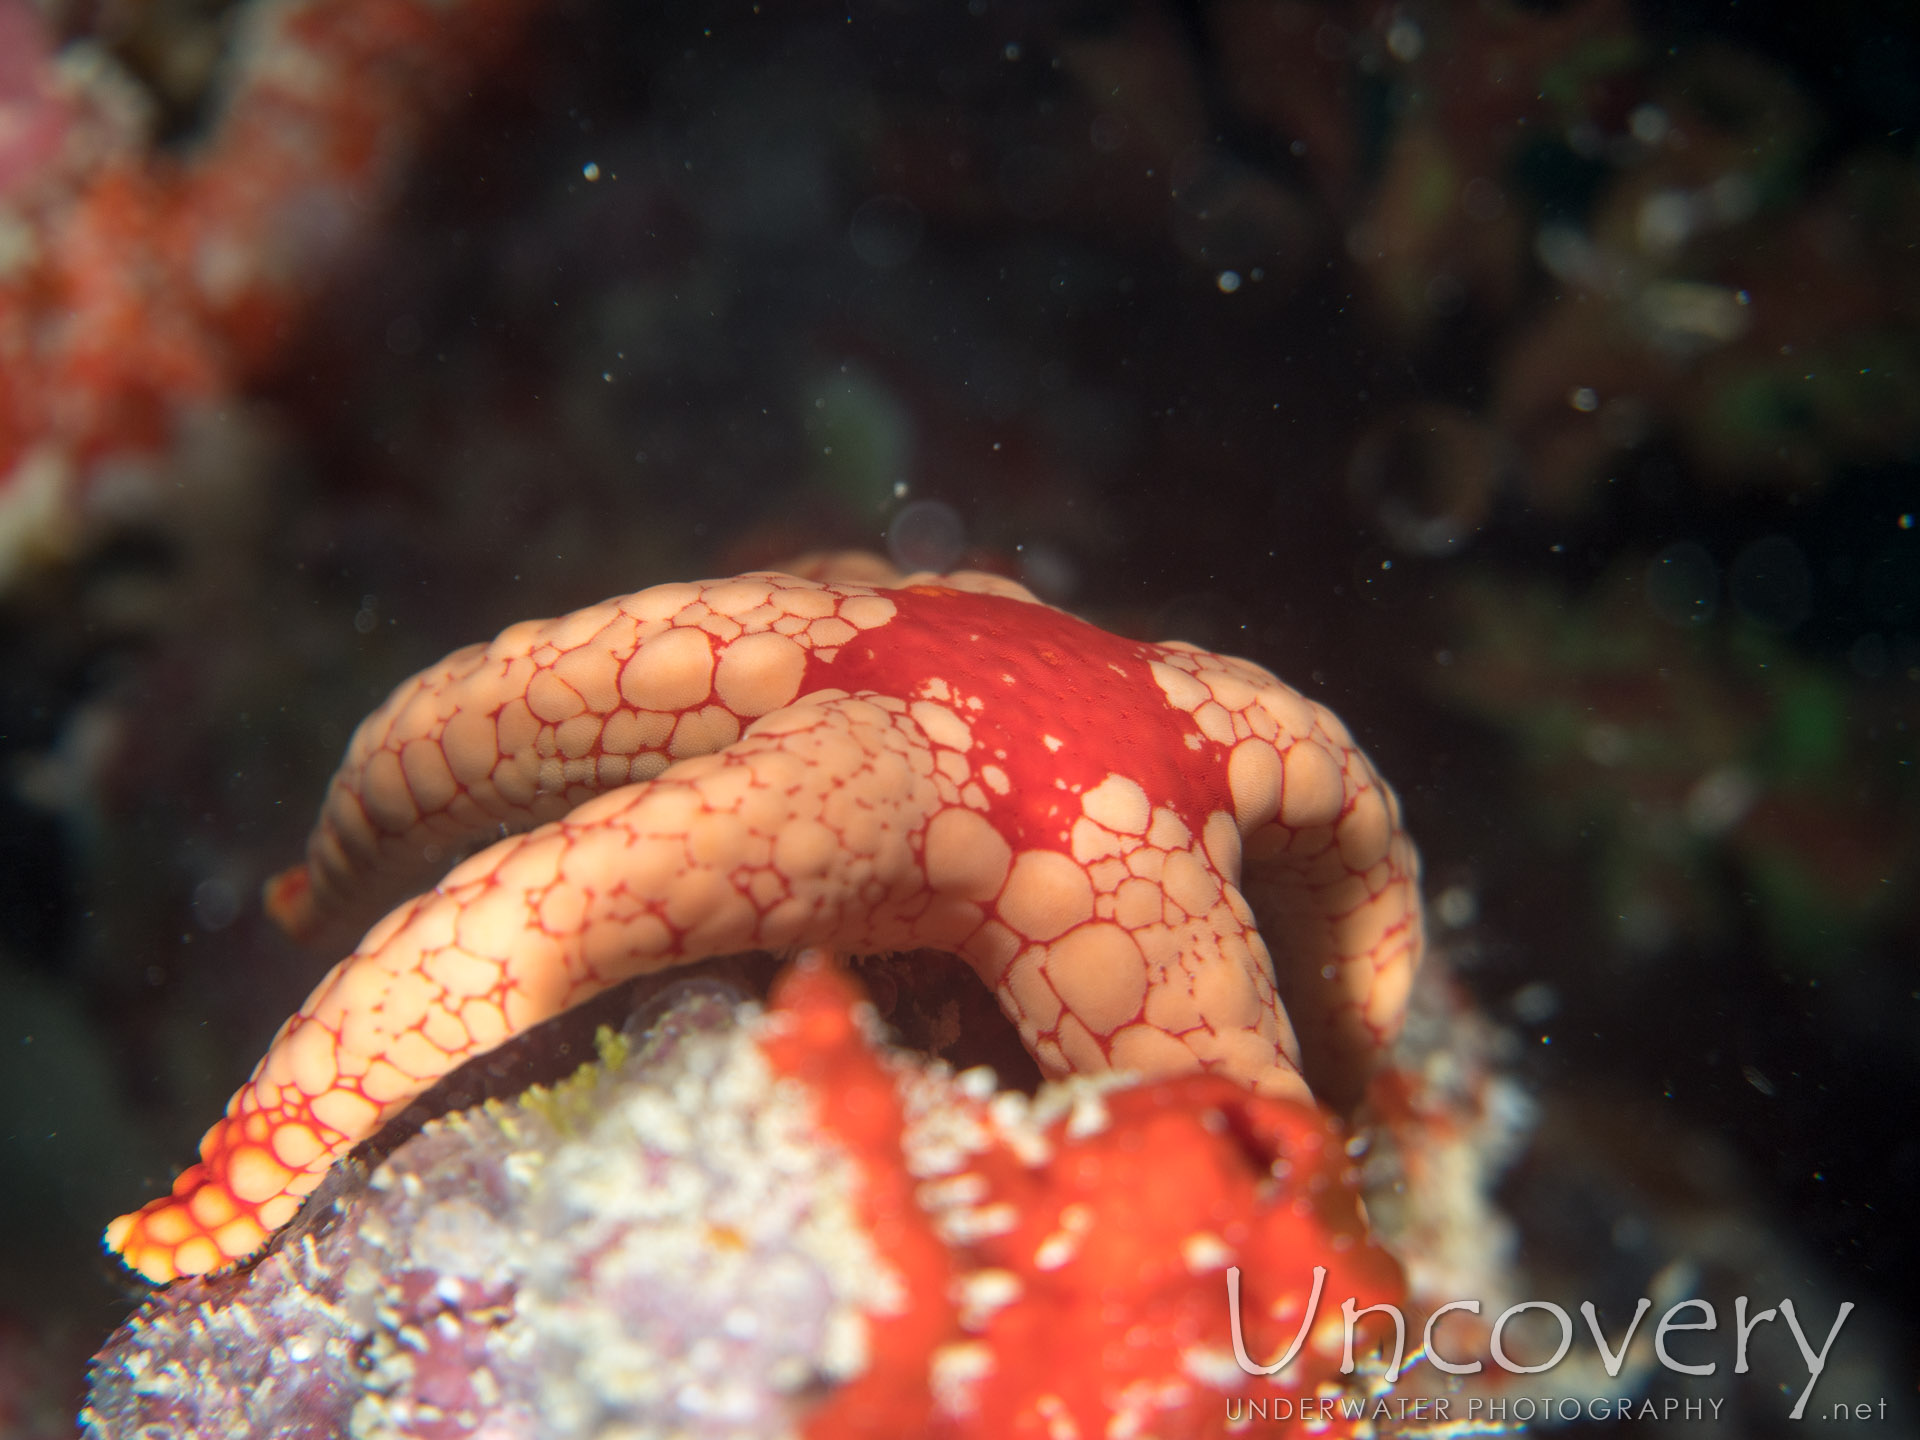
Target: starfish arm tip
<point>288,900</point>
<point>166,1240</point>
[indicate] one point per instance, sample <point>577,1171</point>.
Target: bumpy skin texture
<point>769,761</point>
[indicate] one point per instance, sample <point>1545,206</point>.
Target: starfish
<point>1091,823</point>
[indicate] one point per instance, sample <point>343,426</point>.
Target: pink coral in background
<point>32,116</point>
<point>138,288</point>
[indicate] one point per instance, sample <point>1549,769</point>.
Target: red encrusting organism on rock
<point>1071,1279</point>
<point>816,1039</point>
<point>1091,823</point>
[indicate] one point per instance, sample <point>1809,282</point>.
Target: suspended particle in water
<point>1683,584</point>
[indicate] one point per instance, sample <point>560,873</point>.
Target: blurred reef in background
<point>1536,384</point>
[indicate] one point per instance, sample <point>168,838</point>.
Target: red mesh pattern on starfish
<point>766,762</point>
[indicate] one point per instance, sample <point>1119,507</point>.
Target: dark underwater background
<point>1538,385</point>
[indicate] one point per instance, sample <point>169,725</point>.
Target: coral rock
<point>763,1225</point>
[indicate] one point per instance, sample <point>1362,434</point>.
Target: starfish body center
<point>1048,702</point>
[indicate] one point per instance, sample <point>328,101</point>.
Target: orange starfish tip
<point>192,1234</point>
<point>288,900</point>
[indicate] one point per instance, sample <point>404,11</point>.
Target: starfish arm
<point>550,713</point>
<point>829,822</point>
<point>1335,874</point>
<point>1176,1000</point>
<point>1327,866</point>
<point>1132,950</point>
<point>806,831</point>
